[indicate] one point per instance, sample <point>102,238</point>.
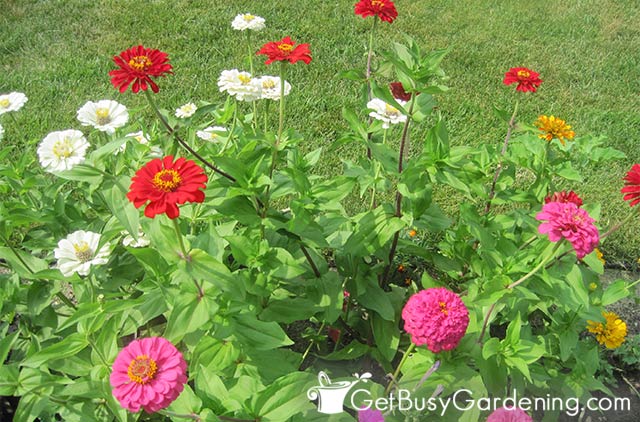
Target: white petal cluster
<point>79,251</point>
<point>62,150</point>
<point>139,136</point>
<point>210,133</point>
<point>386,113</point>
<point>248,21</point>
<point>105,115</point>
<point>186,110</point>
<point>271,87</point>
<point>1,132</point>
<point>129,241</point>
<point>12,102</point>
<point>240,85</point>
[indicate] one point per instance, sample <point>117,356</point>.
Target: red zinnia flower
<point>137,65</point>
<point>527,79</point>
<point>284,50</point>
<point>398,92</point>
<point>564,197</point>
<point>632,185</point>
<point>166,184</point>
<point>384,9</point>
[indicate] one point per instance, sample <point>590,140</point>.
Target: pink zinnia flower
<point>509,414</point>
<point>564,196</point>
<point>370,415</point>
<point>149,373</point>
<point>566,220</point>
<point>436,317</point>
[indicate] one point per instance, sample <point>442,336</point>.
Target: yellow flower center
<point>268,84</point>
<point>102,116</point>
<point>285,48</point>
<point>62,149</point>
<point>248,17</point>
<point>523,73</point>
<point>83,251</point>
<point>4,103</point>
<point>443,308</point>
<point>244,79</point>
<point>375,3</point>
<point>142,369</point>
<point>167,180</point>
<point>140,63</point>
<point>391,110</point>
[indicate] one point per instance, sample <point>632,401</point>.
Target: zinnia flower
<point>165,184</point>
<point>554,128</point>
<point>564,196</point>
<point>137,65</point>
<point>139,136</point>
<point>105,115</point>
<point>386,113</point>
<point>527,79</point>
<point>12,102</point>
<point>398,92</point>
<point>149,373</point>
<point>566,220</point>
<point>384,9</point>
<point>271,87</point>
<point>248,21</point>
<point>284,50</point>
<point>129,241</point>
<point>631,187</point>
<point>370,415</point>
<point>240,85</point>
<point>210,133</point>
<point>62,150</point>
<point>186,110</point>
<point>612,333</point>
<point>436,317</point>
<point>509,414</point>
<point>79,251</point>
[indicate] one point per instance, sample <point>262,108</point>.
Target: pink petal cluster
<point>149,373</point>
<point>436,317</point>
<point>567,220</point>
<point>507,414</point>
<point>370,415</point>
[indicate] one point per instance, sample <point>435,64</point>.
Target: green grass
<point>59,53</point>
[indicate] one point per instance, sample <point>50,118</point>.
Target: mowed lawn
<point>586,51</point>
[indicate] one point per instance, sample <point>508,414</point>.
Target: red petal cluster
<point>527,79</point>
<point>398,92</point>
<point>631,187</point>
<point>564,197</point>
<point>384,9</point>
<point>136,67</point>
<point>285,50</point>
<point>165,184</point>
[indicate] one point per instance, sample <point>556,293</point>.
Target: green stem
<point>171,414</point>
<point>250,51</point>
<point>266,115</point>
<point>368,74</point>
<point>281,120</point>
<point>376,174</point>
<point>615,227</point>
<point>394,378</point>
<point>306,352</point>
<point>98,352</point>
<point>233,127</point>
<point>176,226</point>
<point>65,300</point>
<point>15,252</point>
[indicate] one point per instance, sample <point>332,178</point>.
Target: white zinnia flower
<point>62,150</point>
<point>386,113</point>
<point>247,21</point>
<point>240,85</point>
<point>271,87</point>
<point>186,110</point>
<point>210,133</point>
<point>105,115</point>
<point>12,102</point>
<point>140,136</point>
<point>129,241</point>
<point>79,251</point>
<point>1,132</point>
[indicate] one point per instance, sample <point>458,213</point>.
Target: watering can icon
<point>331,395</point>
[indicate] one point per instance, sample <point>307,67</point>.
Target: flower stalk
<point>396,374</point>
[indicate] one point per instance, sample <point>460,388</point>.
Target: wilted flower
<point>564,196</point>
<point>566,220</point>
<point>240,85</point>
<point>284,50</point>
<point>12,102</point>
<point>386,113</point>
<point>612,333</point>
<point>248,21</point>
<point>62,150</point>
<point>148,374</point>
<point>554,128</point>
<point>509,414</point>
<point>527,79</point>
<point>210,133</point>
<point>79,251</point>
<point>271,87</point>
<point>398,92</point>
<point>631,187</point>
<point>105,115</point>
<point>136,67</point>
<point>384,9</point>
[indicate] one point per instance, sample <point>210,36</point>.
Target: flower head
<point>248,21</point>
<point>566,220</point>
<point>129,241</point>
<point>62,150</point>
<point>79,251</point>
<point>271,87</point>
<point>386,113</point>
<point>370,415</point>
<point>137,66</point>
<point>240,85</point>
<point>554,128</point>
<point>564,196</point>
<point>12,102</point>
<point>186,110</point>
<point>398,92</point>
<point>105,115</point>
<point>509,414</point>
<point>436,317</point>
<point>384,9</point>
<point>612,333</point>
<point>631,187</point>
<point>210,133</point>
<point>164,184</point>
<point>285,50</point>
<point>149,373</point>
<point>527,79</point>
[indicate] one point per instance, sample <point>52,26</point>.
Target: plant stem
<point>255,107</point>
<point>310,261</point>
<point>65,300</point>
<point>368,74</point>
<point>15,252</point>
<point>395,375</point>
<point>98,352</point>
<point>615,227</point>
<point>185,255</point>
<point>233,127</point>
<point>376,174</point>
<point>308,349</point>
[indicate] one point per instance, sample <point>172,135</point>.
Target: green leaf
<point>288,310</point>
<point>30,407</point>
<point>187,402</point>
<point>351,351</point>
<point>387,336</point>
<point>491,348</point>
<point>9,379</point>
<point>17,260</point>
<point>188,314</point>
<point>284,398</point>
<point>615,292</point>
<point>568,341</point>
<point>258,334</point>
<point>5,346</point>
<point>377,300</point>
<point>67,347</point>
<point>123,209</point>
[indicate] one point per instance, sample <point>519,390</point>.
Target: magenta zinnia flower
<point>370,415</point>
<point>567,220</point>
<point>436,317</point>
<point>149,373</point>
<point>507,414</point>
